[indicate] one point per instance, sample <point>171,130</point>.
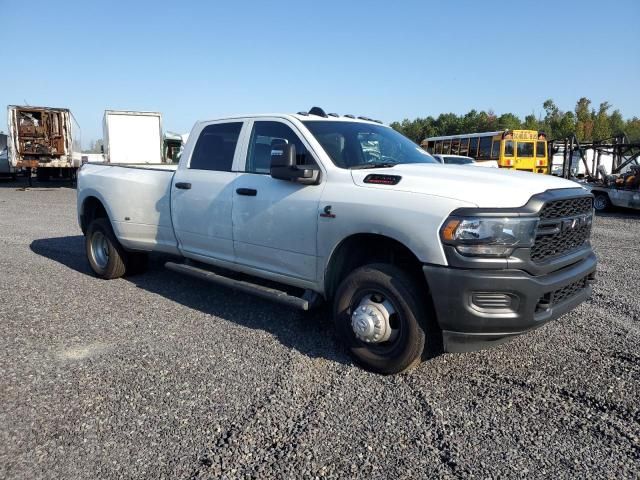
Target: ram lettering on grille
<point>572,219</point>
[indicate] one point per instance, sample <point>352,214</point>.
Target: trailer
<point>609,168</point>
<point>132,137</point>
<point>43,139</point>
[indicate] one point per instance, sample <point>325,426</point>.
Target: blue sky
<point>195,60</point>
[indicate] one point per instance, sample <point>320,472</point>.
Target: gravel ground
<point>162,376</point>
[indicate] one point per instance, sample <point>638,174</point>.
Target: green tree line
<point>589,124</point>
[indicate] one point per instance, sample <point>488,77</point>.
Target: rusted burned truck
<point>43,139</point>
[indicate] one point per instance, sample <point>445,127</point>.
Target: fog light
<point>493,300</point>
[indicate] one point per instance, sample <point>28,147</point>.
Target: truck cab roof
<point>315,114</point>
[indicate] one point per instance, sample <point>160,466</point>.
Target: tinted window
<point>485,148</point>
<point>264,136</point>
<point>215,147</point>
<point>508,148</point>
<point>495,150</point>
<point>473,147</point>
<point>525,149</point>
<point>541,149</point>
<point>464,146</point>
<point>430,146</point>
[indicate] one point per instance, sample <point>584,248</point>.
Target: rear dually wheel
<point>106,256</point>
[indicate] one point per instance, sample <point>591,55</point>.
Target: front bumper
<point>535,300</point>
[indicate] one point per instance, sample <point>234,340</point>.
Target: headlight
<point>487,236</point>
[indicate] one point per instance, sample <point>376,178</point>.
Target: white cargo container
<point>132,137</point>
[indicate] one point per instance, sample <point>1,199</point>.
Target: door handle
<point>249,192</point>
<point>183,185</point>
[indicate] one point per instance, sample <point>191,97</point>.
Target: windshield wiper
<point>373,165</point>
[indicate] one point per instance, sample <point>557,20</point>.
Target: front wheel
<point>380,315</point>
<point>601,202</point>
<point>106,256</point>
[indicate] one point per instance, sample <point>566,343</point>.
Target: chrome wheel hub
<point>370,319</point>
<point>100,249</point>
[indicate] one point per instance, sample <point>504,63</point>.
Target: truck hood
<point>484,187</point>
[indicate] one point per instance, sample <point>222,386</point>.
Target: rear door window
<point>216,147</point>
<point>525,149</point>
<point>541,151</point>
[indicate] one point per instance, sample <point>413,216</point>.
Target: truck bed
<point>141,221</point>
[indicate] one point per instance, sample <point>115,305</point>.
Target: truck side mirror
<point>284,167</point>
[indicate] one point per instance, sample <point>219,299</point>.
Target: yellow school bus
<point>524,150</point>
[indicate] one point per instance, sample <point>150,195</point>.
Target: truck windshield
<point>365,145</point>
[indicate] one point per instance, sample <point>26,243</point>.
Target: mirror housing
<point>283,166</point>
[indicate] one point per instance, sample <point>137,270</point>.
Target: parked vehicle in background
<point>619,190</point>
<point>524,150</point>
<point>312,207</point>
<point>45,139</point>
<point>172,147</point>
<point>6,170</point>
<point>462,160</point>
<point>132,137</point>
<point>577,168</point>
<point>609,168</point>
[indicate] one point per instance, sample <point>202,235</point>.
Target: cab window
<point>216,147</point>
<point>264,136</point>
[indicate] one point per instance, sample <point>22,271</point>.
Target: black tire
<point>106,256</point>
<point>601,202</point>
<point>410,318</point>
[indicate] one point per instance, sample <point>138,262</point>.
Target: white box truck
<point>132,137</point>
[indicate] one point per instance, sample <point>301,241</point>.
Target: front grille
<point>565,225</point>
<point>566,208</point>
<point>555,297</point>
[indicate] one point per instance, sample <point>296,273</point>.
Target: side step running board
<point>310,300</point>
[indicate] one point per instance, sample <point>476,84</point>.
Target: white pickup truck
<point>413,256</point>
